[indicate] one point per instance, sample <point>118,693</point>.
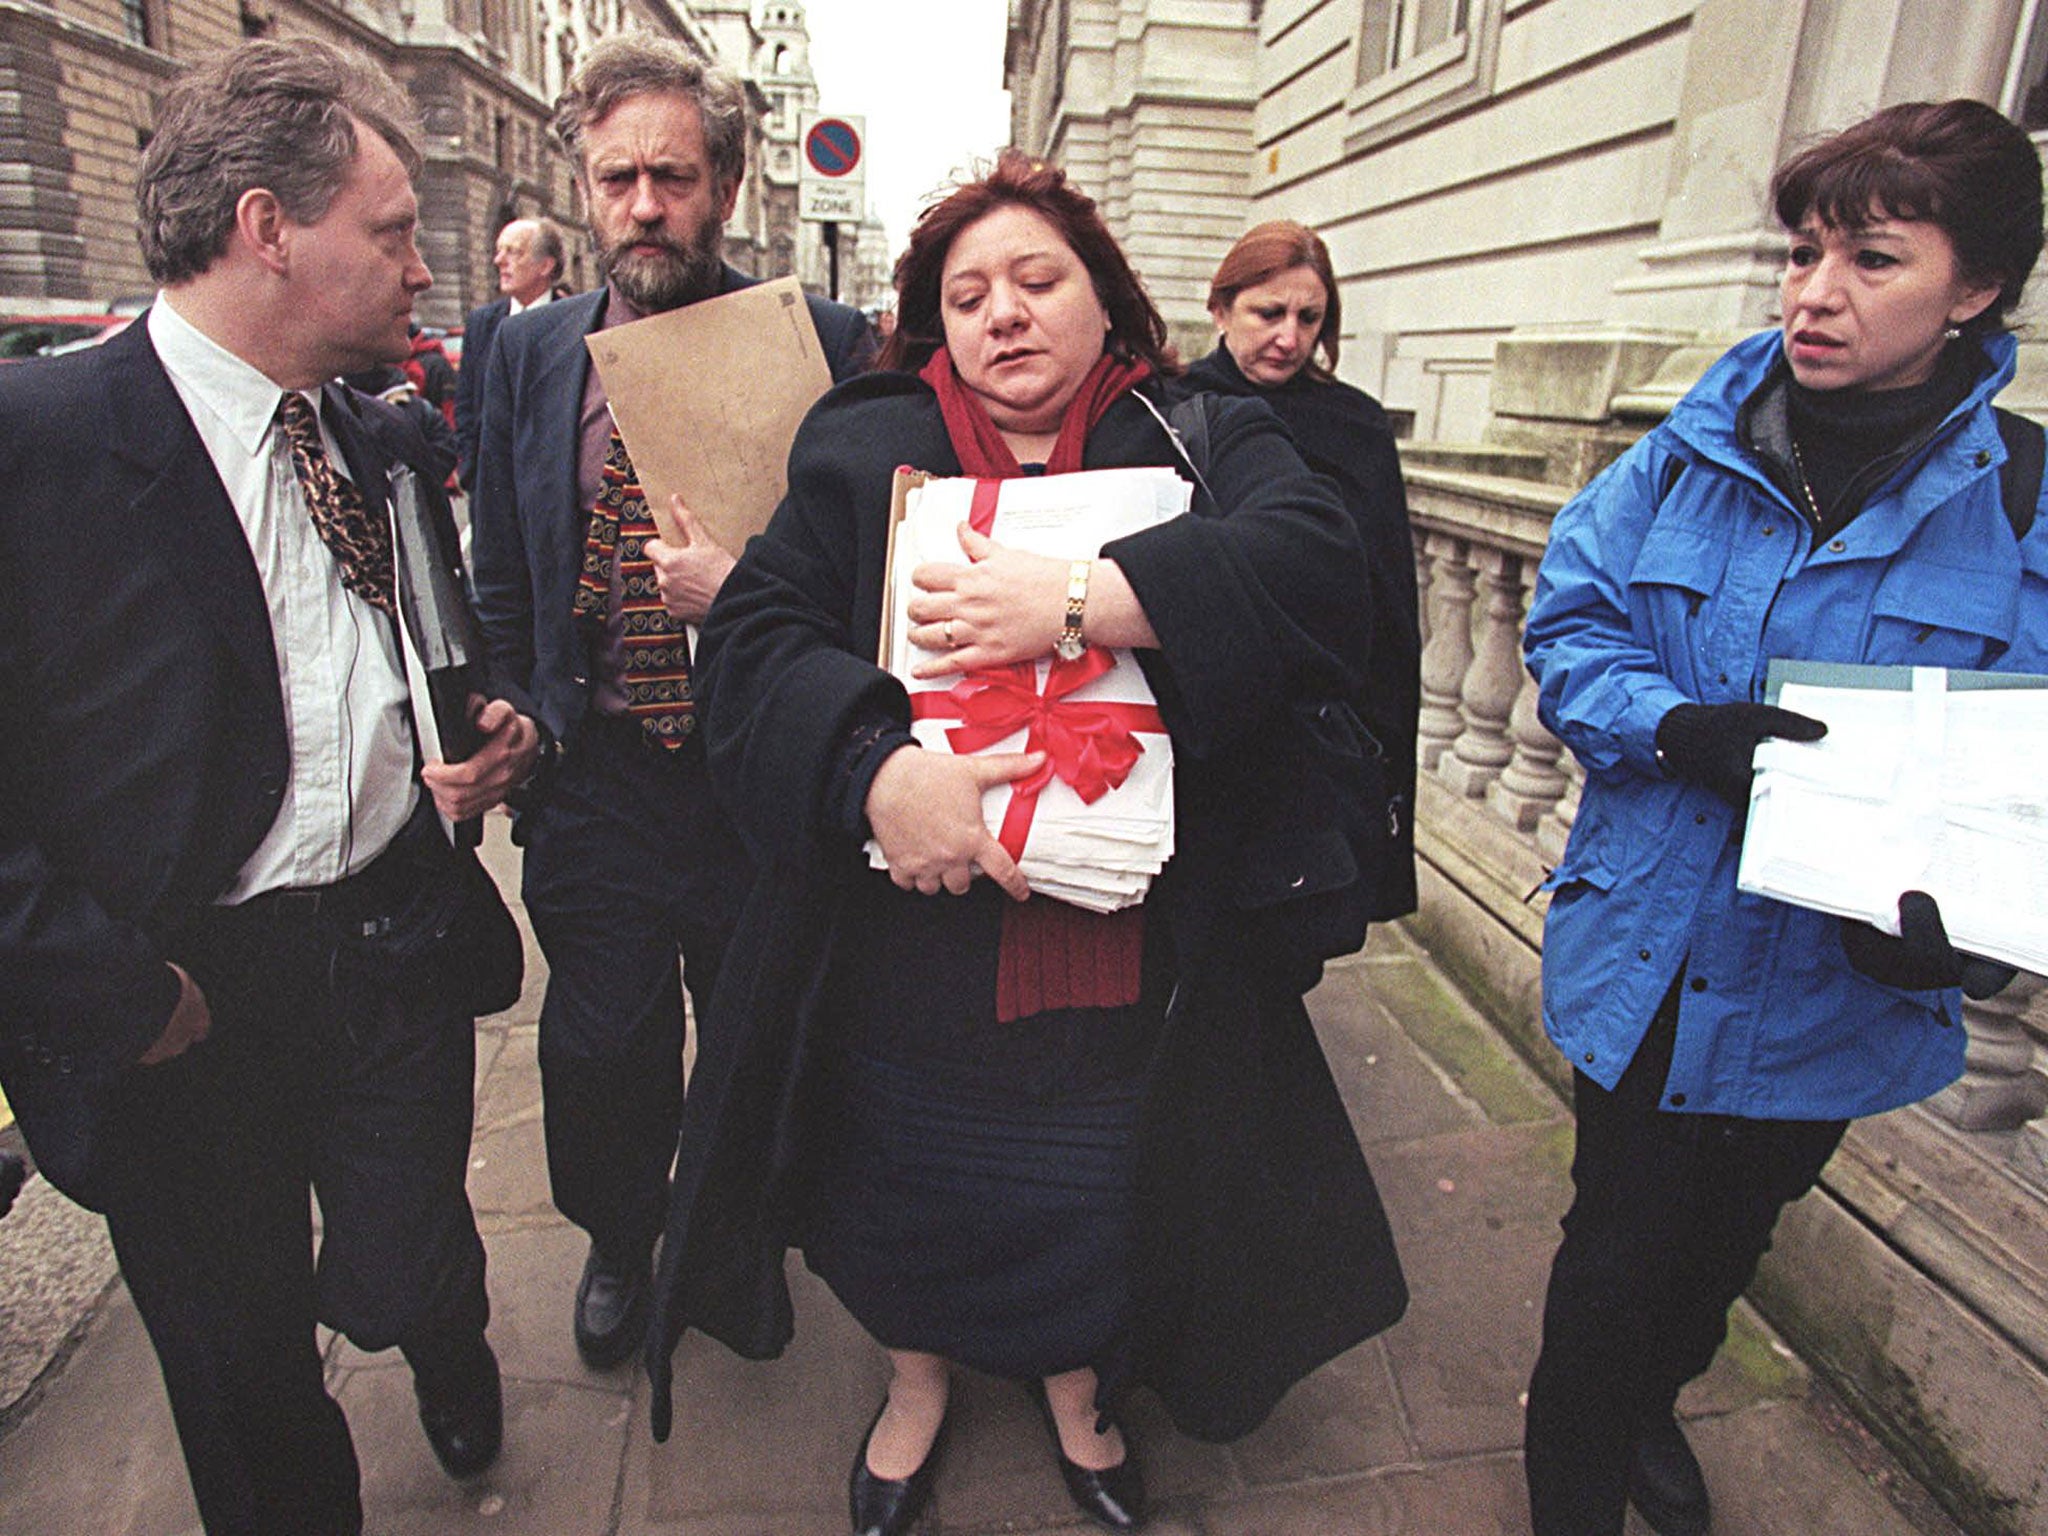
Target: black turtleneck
<point>1851,440</point>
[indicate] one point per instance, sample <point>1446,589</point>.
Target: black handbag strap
<point>2019,477</point>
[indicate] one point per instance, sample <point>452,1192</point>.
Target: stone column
<point>1714,262</point>
<point>1492,679</point>
<point>1449,651</point>
<point>1532,783</point>
<point>1998,1090</point>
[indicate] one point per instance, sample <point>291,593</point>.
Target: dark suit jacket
<point>146,754</point>
<point>526,518</point>
<point>477,333</point>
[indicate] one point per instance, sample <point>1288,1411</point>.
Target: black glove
<point>1921,957</point>
<point>1712,744</point>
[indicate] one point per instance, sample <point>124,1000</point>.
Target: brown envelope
<point>708,397</point>
<point>901,485</point>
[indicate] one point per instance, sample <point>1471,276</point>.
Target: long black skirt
<point>971,1185</point>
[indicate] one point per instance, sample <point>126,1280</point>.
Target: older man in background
<point>531,256</point>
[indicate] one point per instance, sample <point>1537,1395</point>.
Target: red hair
<point>1263,253</point>
<point>1136,330</point>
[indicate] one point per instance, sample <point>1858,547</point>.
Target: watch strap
<point>1070,643</point>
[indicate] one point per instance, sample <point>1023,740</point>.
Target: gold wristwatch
<point>1069,646</point>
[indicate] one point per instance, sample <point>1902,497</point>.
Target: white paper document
<point>1097,825</point>
<point>1937,786</point>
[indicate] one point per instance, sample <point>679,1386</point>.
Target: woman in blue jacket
<point>1831,490</point>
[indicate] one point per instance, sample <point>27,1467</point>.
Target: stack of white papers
<point>1097,824</point>
<point>1932,786</point>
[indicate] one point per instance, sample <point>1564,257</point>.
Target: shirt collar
<point>240,396</point>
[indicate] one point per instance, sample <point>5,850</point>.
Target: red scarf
<point>1051,955</point>
<point>978,442</point>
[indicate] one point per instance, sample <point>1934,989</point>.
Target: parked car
<point>27,335</point>
<point>111,325</point>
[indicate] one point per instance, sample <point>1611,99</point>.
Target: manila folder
<point>708,397</point>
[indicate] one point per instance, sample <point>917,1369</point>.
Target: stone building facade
<point>1547,217</point>
<point>80,80</point>
<point>1149,106</point>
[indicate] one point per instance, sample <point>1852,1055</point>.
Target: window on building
<point>135,19</point>
<point>1396,31</point>
<point>2027,81</point>
<point>1419,59</point>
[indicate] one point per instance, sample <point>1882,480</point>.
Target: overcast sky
<point>928,76</point>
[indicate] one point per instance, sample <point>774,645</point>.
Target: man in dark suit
<point>220,883</point>
<point>531,257</point>
<point>628,859</point>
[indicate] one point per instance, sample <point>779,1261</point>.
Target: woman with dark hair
<point>1081,1152</point>
<point>1832,490</point>
<point>1278,318</point>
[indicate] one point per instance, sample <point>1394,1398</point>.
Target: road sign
<point>832,181</point>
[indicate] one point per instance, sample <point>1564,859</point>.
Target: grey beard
<point>654,284</point>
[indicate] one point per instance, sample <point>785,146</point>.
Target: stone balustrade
<point>1499,791</point>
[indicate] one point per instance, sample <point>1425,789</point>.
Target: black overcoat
<point>1262,1248</point>
<point>1343,432</point>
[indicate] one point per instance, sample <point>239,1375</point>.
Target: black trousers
<point>629,861</point>
<point>1671,1216</point>
<point>362,1096</point>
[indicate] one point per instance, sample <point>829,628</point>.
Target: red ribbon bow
<point>1091,746</point>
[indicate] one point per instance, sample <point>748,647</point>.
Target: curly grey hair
<point>630,64</point>
<point>280,114</point>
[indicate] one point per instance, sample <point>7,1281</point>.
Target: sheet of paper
<point>708,398</point>
<point>1930,787</point>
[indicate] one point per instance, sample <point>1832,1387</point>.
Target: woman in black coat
<point>1080,1152</point>
<point>1275,303</point>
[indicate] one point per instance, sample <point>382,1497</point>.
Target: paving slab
<point>1417,1431</point>
<point>97,1452</point>
<point>55,1264</point>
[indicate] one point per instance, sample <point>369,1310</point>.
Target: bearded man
<point>628,858</point>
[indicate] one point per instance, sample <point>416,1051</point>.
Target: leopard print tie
<point>360,543</point>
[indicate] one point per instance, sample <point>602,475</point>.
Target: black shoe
<point>611,1309</point>
<point>889,1506</point>
<point>1665,1483</point>
<point>462,1409</point>
<point>1114,1498</point>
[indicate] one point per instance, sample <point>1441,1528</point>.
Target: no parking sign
<point>832,183</point>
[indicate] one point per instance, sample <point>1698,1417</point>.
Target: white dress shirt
<point>347,713</point>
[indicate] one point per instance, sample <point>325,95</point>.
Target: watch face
<point>1069,647</point>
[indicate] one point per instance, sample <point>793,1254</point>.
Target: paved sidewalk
<point>1414,1432</point>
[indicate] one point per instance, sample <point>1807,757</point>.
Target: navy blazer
<point>527,520</point>
<point>477,333</point>
<point>146,754</point>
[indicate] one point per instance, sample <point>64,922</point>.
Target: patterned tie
<point>360,543</point>
<point>657,680</point>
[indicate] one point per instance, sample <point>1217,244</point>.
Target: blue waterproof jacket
<point>1666,582</point>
